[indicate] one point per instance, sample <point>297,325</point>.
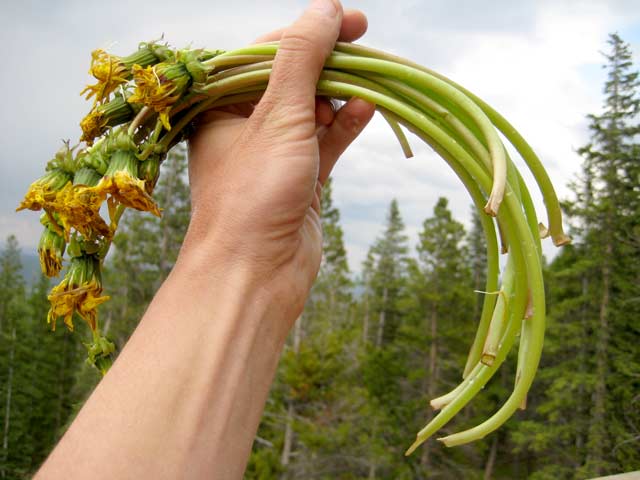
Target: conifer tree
<point>12,292</point>
<point>388,277</point>
<point>312,394</point>
<point>382,365</point>
<point>607,216</point>
<point>587,419</point>
<point>442,294</point>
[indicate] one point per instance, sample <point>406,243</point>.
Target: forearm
<point>185,397</point>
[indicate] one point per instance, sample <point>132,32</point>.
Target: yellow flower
<point>110,72</point>
<point>122,183</point>
<point>80,291</point>
<point>159,87</point>
<point>93,125</point>
<point>78,206</point>
<point>43,191</point>
<point>50,250</point>
<point>110,114</point>
<point>129,191</point>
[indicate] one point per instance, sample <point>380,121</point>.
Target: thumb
<point>304,47</point>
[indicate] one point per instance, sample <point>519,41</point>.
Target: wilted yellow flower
<point>122,183</point>
<point>78,206</point>
<point>110,114</point>
<point>43,191</point>
<point>80,291</point>
<point>50,250</point>
<point>93,125</point>
<point>129,191</point>
<point>159,86</point>
<point>110,72</point>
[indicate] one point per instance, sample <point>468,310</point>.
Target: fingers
<point>325,111</point>
<point>303,50</point>
<point>347,125</point>
<point>354,25</point>
<point>270,37</point>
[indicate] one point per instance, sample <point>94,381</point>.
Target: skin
<point>185,396</point>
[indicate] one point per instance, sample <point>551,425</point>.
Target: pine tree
<point>388,277</point>
<point>331,294</point>
<point>383,366</point>
<point>587,417</point>
<point>37,370</point>
<point>439,323</point>
<point>12,292</point>
<point>611,172</point>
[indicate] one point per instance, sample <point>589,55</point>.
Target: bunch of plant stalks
<point>144,104</point>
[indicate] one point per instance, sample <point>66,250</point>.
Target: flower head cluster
<point>111,71</point>
<point>133,98</point>
<point>71,194</point>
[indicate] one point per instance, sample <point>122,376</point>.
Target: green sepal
<point>86,176</point>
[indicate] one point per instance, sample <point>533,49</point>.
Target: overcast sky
<point>537,62</point>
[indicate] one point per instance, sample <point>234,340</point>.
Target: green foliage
<point>36,371</point>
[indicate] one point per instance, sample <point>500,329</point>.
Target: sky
<point>536,62</point>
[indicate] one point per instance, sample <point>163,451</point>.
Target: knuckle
<point>297,41</point>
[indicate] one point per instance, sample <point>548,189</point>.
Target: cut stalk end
<point>491,208</point>
<point>413,447</point>
<point>523,403</point>
<point>543,230</point>
<point>561,239</point>
<point>440,402</point>
<point>487,358</point>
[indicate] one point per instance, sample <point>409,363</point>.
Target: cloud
<point>535,61</point>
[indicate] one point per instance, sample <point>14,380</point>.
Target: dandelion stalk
<point>144,104</point>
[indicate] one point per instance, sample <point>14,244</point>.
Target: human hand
<point>256,180</point>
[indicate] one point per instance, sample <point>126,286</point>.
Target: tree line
<point>368,353</point>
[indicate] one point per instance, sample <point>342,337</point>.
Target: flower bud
<point>51,250</point>
<point>100,353</point>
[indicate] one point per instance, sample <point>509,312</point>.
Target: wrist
<point>216,278</point>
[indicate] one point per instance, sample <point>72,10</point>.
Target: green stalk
<point>452,149</point>
<point>499,317</point>
<point>524,149</point>
<point>424,80</point>
<point>532,268</point>
<point>442,401</point>
<point>459,126</point>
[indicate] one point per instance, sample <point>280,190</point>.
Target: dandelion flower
<point>80,291</point>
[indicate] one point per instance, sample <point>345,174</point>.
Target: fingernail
<point>326,7</point>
